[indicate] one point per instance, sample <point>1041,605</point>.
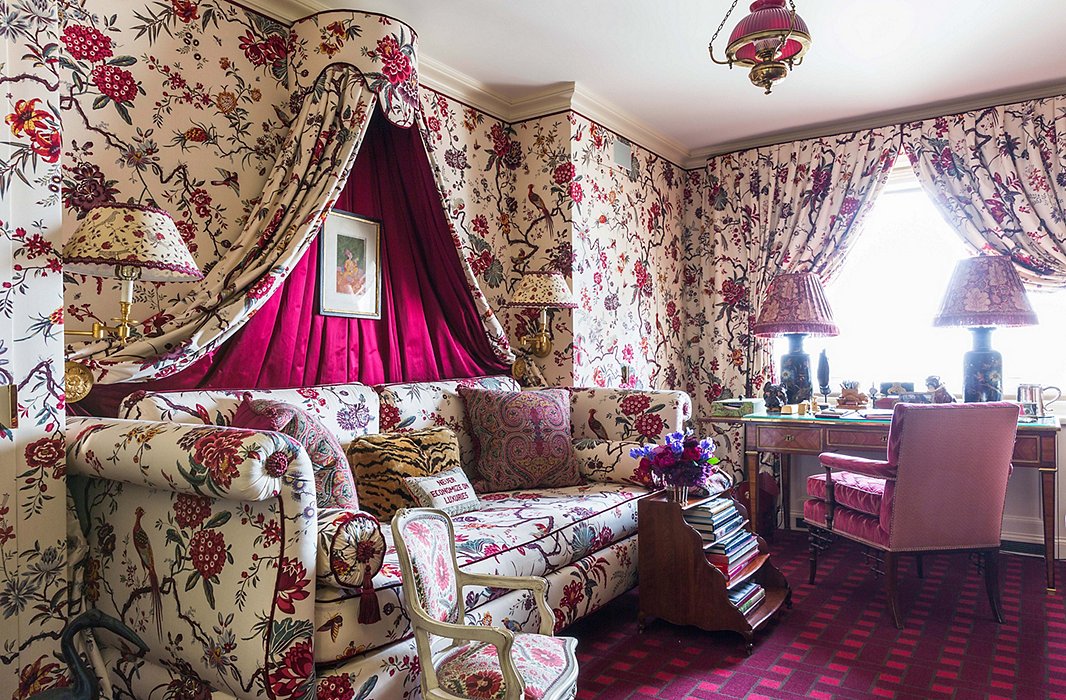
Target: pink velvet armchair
<point>941,489</point>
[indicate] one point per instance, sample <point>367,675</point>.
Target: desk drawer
<point>1034,449</point>
<point>858,439</point>
<point>788,439</point>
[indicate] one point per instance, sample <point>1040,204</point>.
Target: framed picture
<point>349,271</point>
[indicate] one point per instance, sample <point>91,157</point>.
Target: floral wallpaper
<point>628,268</point>
<point>34,603</point>
<point>182,104</point>
<point>499,190</point>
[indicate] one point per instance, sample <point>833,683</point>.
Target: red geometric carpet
<point>838,640</point>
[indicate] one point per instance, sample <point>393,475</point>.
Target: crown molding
<point>698,157</point>
<point>607,115</point>
<point>550,100</point>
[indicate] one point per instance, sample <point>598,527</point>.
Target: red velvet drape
<point>429,327</point>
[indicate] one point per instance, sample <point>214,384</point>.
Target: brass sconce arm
<point>540,342</point>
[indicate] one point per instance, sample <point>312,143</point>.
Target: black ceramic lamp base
<point>796,370</point>
<point>982,369</point>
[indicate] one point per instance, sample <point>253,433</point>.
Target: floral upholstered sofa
<point>206,538</point>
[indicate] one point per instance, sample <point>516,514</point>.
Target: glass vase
<point>679,494</point>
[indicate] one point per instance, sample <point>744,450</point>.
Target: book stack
<point>715,520</point>
<point>746,596</point>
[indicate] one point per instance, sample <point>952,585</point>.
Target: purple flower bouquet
<point>681,463</point>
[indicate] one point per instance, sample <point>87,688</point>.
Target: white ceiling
<point>872,61</point>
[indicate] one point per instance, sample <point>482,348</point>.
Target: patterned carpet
<point>838,640</point>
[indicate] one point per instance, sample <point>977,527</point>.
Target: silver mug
<point>1032,395</point>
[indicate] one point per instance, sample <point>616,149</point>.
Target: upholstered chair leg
<point>891,576</point>
<point>918,564</point>
<point>991,567</point>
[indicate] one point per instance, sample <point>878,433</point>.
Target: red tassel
<point>369,612</point>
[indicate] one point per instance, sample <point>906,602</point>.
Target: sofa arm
<point>609,461</point>
<point>208,460</point>
<point>642,415</point>
<point>202,539</point>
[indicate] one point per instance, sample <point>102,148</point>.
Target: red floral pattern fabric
<point>546,665</point>
<point>998,176</point>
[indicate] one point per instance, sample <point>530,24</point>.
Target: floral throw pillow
<point>334,484</point>
<point>522,438</point>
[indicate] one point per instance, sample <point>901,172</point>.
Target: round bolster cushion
<point>351,550</point>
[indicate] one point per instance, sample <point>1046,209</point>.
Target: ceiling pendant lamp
<point>770,40</point>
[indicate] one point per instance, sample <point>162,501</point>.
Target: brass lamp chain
<point>710,46</point>
<point>791,28</point>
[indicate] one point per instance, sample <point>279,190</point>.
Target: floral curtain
<point>998,175</point>
<point>467,257</point>
<point>336,99</point>
<point>793,207</point>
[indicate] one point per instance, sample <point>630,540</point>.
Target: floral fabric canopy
<point>342,65</point>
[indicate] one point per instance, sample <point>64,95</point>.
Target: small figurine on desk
<point>850,396</point>
<point>940,393</point>
<point>823,377</point>
<point>774,395</point>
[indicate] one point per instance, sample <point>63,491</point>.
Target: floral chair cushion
<point>522,438</point>
<point>429,546</point>
<point>381,462</point>
<point>546,664</point>
<point>334,484</point>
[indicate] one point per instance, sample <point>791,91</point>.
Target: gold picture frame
<point>349,270</point>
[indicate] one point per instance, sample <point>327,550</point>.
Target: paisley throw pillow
<point>522,439</point>
<point>334,484</point>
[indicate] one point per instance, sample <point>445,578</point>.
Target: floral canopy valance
<point>383,49</point>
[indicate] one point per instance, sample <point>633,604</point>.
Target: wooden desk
<point>1034,448</point>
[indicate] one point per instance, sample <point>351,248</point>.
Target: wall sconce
<point>539,290</point>
<point>127,242</point>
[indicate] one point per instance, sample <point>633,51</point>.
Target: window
<point>885,297</point>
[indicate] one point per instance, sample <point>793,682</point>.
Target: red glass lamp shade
<point>771,40</point>
<point>761,31</point>
<point>795,303</point>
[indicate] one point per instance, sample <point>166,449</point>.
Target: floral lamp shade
<point>795,303</point>
<point>130,236</point>
<point>543,290</point>
<point>985,291</point>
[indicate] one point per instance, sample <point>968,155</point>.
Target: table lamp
<point>126,242</point>
<point>542,290</point>
<point>795,307</point>
<point>984,292</point>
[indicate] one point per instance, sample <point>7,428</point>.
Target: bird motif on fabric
<point>596,426</point>
<point>536,200</point>
<point>144,550</point>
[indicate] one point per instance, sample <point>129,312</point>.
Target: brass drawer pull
<point>884,438</point>
<point>790,438</point>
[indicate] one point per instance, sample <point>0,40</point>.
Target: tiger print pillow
<point>381,462</point>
